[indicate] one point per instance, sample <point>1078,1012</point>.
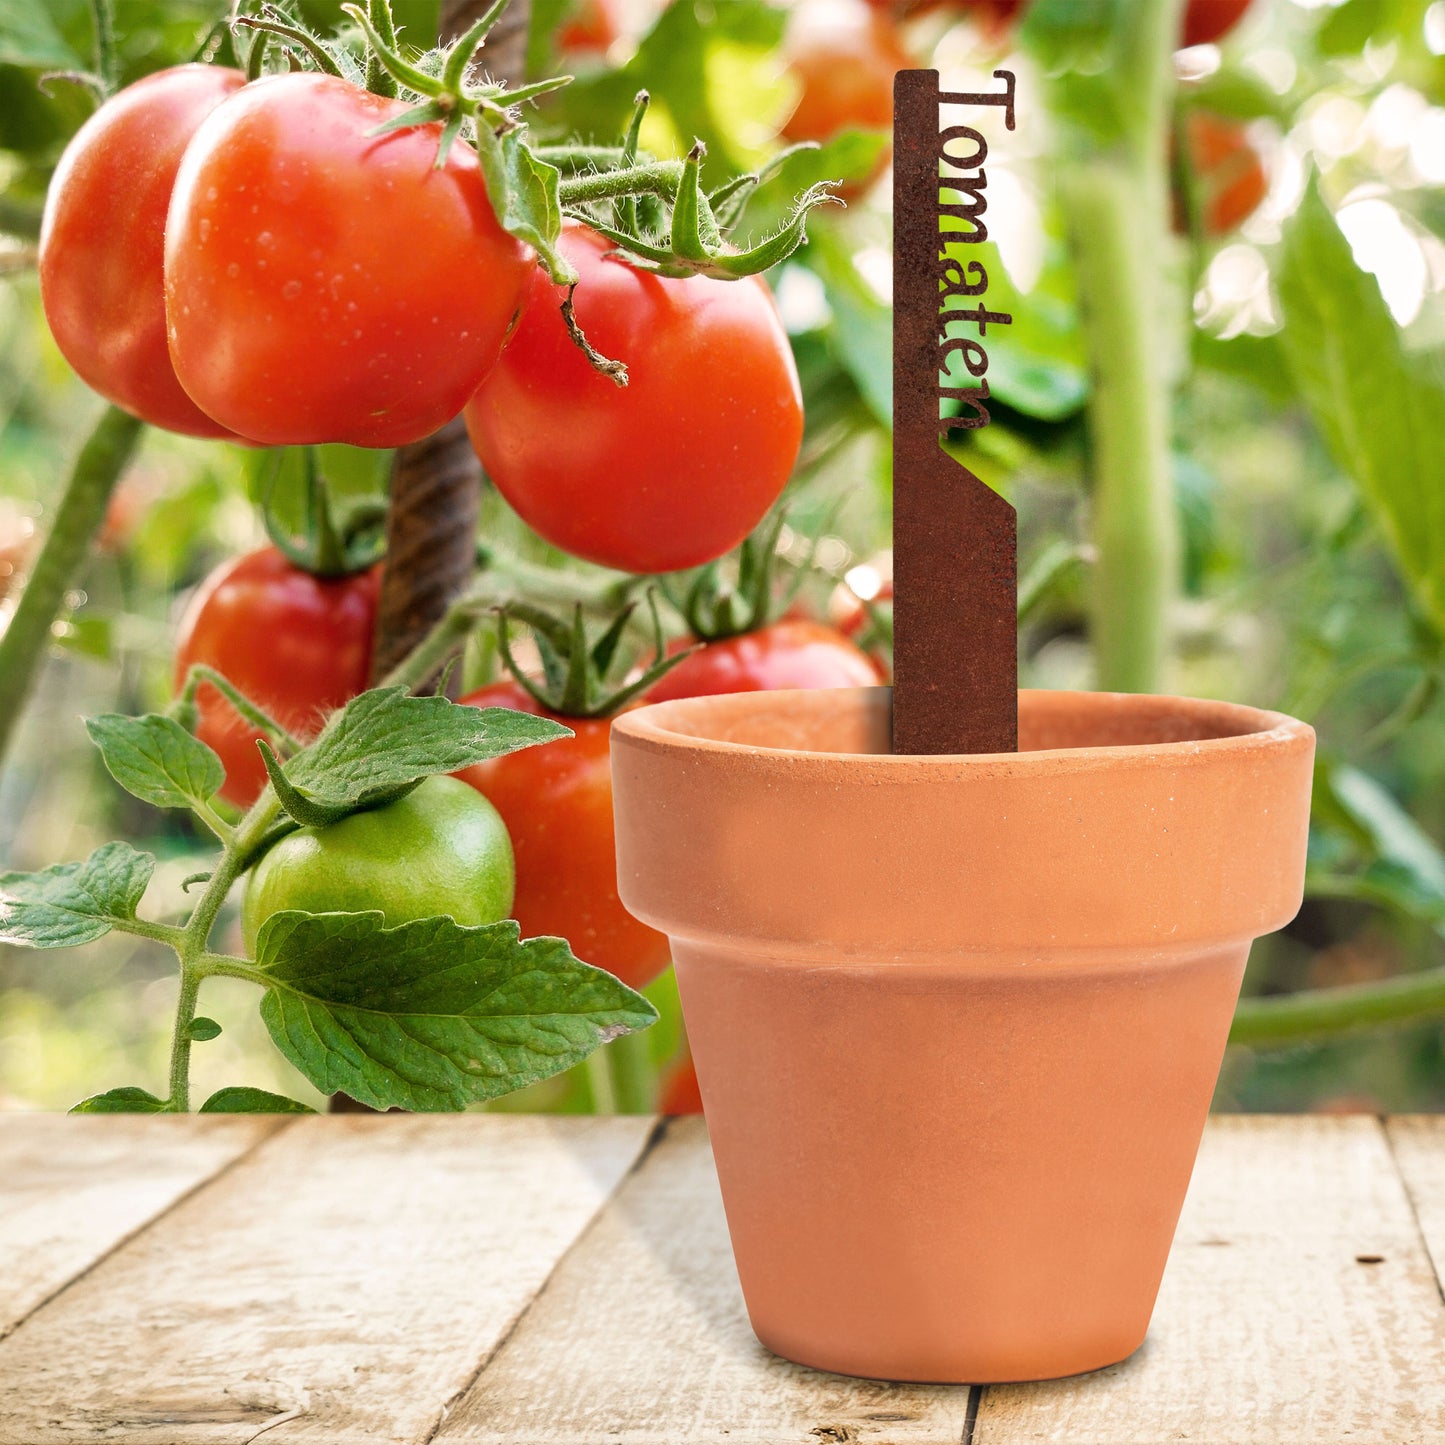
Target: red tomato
<point>1228,171</point>
<point>844,57</point>
<point>103,235</point>
<point>678,1092</point>
<point>591,28</point>
<point>675,468</point>
<point>795,652</point>
<point>296,645</point>
<point>323,285</point>
<point>557,804</point>
<point>1206,21</point>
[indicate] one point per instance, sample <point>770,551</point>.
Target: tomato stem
<point>633,1079</point>
<point>107,65</point>
<point>1264,1023</point>
<point>102,461</point>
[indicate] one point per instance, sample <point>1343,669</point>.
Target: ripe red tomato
<point>324,285</point>
<point>591,28</point>
<point>678,1091</point>
<point>844,56</point>
<point>557,804</point>
<point>296,645</point>
<point>1227,169</point>
<point>1206,21</point>
<point>103,235</point>
<point>671,470</point>
<point>795,652</point>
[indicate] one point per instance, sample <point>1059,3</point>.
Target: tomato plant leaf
<point>73,903</point>
<point>432,1015</point>
<point>385,741</point>
<point>1377,404</point>
<point>156,759</point>
<point>126,1100</point>
<point>28,36</point>
<point>201,1029</point>
<point>524,192</point>
<point>239,1099</point>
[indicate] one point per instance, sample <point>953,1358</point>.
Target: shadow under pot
<point>957,1020</point>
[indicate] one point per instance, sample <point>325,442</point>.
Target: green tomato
<point>442,849</point>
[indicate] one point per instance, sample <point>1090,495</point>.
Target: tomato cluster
<point>244,259</point>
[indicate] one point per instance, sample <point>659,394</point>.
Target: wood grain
<point>340,1285</point>
<point>1299,1306</point>
<point>1418,1143</point>
<point>72,1189</point>
<point>640,1338</point>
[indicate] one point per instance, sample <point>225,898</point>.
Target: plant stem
<point>629,1067</point>
<point>196,962</point>
<point>1116,198</point>
<point>180,1095</point>
<point>658,178</point>
<point>102,460</point>
<point>107,65</point>
<point>1135,529</point>
<point>1263,1023</point>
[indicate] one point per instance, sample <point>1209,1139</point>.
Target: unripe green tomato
<point>442,849</point>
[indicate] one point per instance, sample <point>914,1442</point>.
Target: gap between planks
<point>74,1191</point>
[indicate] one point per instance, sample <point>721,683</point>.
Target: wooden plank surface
<point>1418,1143</point>
<point>640,1338</point>
<point>341,1284</point>
<point>71,1189</point>
<point>1299,1306</point>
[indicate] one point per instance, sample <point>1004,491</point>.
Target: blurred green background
<point>1305,495</point>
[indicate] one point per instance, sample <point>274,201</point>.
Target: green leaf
<point>73,903</point>
<point>156,759</point>
<point>201,1029</point>
<point>432,1015</point>
<point>1377,404</point>
<point>524,193</point>
<point>127,1100</point>
<point>385,741</point>
<point>239,1099</point>
<point>28,37</point>
<point>1405,868</point>
<point>861,334</point>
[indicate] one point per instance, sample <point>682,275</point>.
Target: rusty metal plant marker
<point>955,539</point>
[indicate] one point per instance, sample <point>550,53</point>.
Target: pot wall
<point>957,1021</point>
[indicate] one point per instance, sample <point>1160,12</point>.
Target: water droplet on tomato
<point>233,270</point>
<point>291,290</point>
<point>204,228</point>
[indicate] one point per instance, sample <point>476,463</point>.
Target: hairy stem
<point>196,962</point>
<point>100,465</point>
<point>1263,1023</point>
<point>660,178</point>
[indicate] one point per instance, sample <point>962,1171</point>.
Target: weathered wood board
<point>71,1191</point>
<point>341,1284</point>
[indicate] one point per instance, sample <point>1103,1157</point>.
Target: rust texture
<point>436,482</point>
<point>955,540</point>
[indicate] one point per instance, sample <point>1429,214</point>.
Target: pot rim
<point>1258,729</point>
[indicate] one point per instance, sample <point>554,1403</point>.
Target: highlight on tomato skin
<point>678,466</point>
<point>327,285</point>
<point>295,645</point>
<point>102,241</point>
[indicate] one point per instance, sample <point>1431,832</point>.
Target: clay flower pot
<point>957,1020</point>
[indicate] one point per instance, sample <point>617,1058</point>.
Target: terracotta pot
<point>957,1020</point>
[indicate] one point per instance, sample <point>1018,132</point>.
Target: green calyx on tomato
<point>557,804</point>
<point>332,542</point>
<point>442,850</point>
<point>714,608</point>
<point>580,679</point>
